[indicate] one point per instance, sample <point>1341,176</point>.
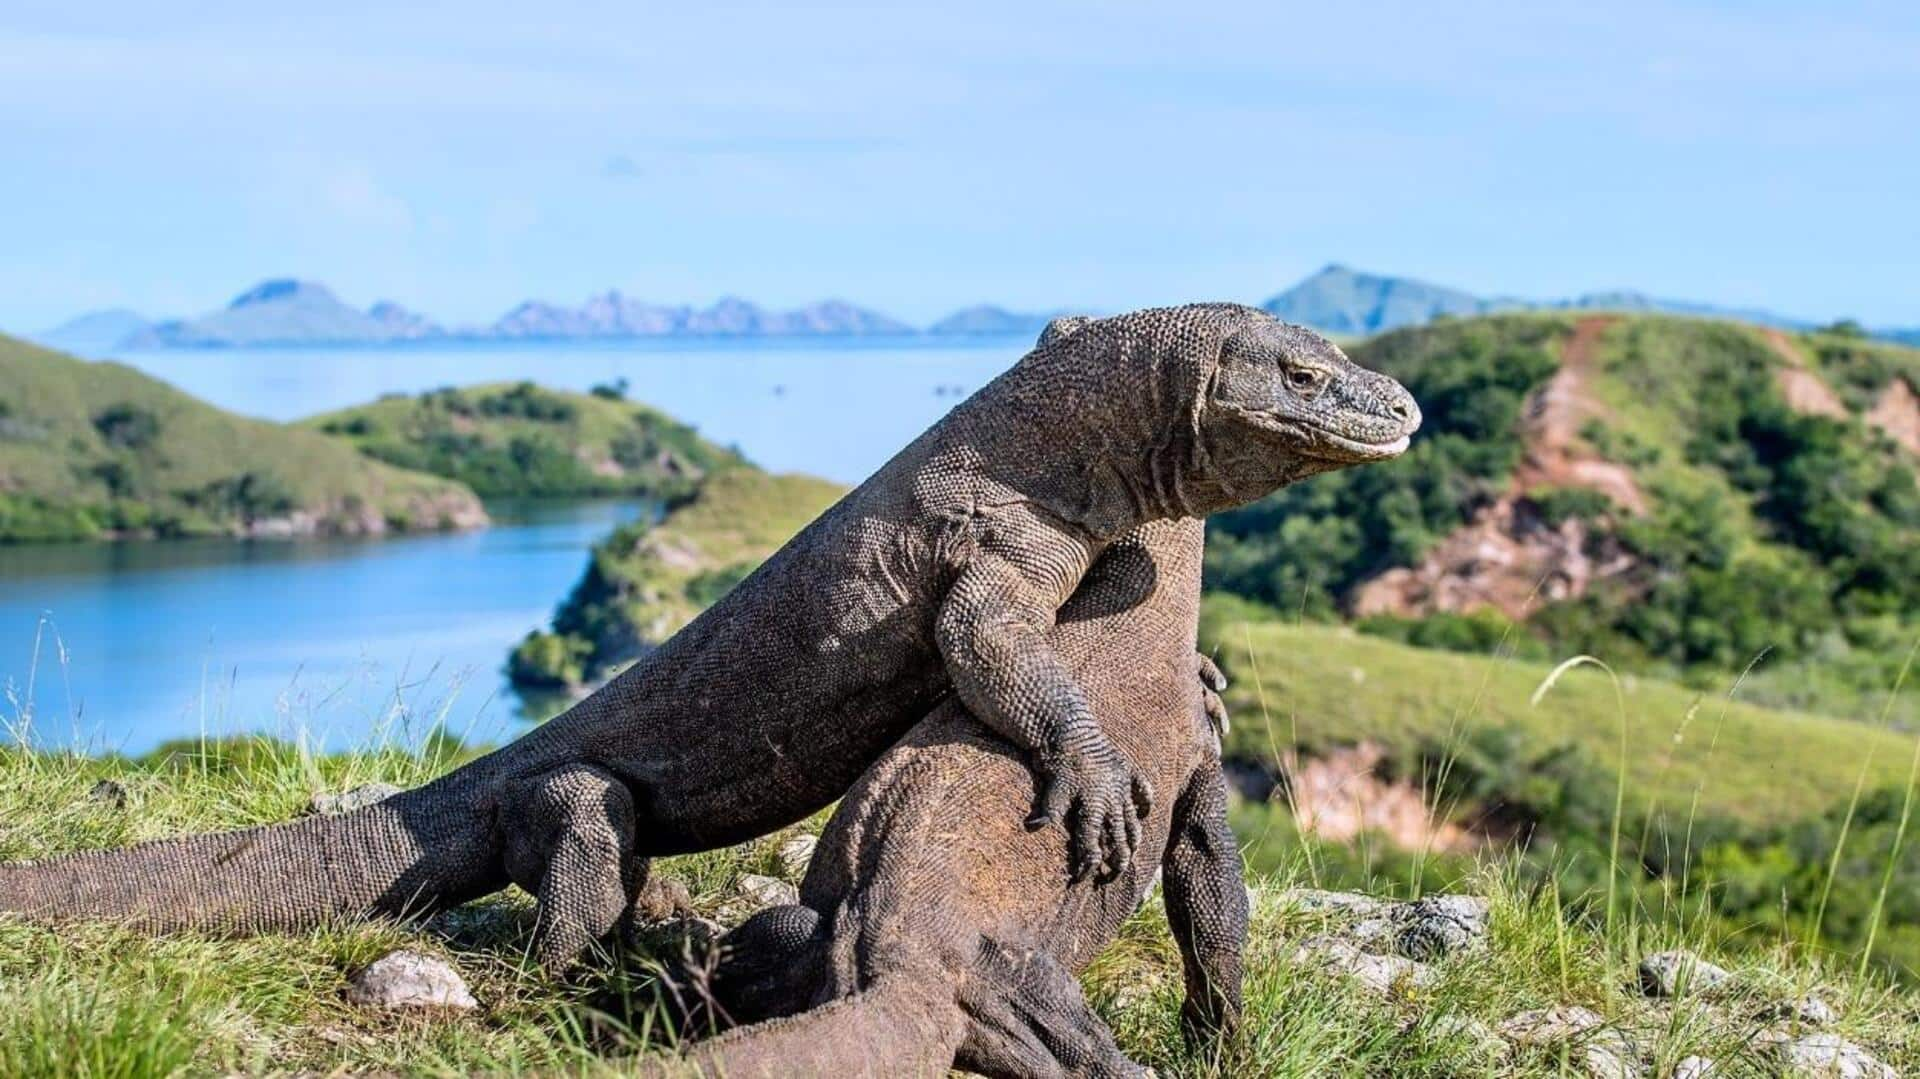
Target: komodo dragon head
<point>1256,403</point>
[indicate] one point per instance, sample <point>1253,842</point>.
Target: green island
<point>522,440</point>
<point>99,450</point>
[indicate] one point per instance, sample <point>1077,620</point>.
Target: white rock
<point>1821,1056</point>
<point>767,891</point>
<point>1439,925</point>
<point>1342,902</point>
<point>1603,1053</point>
<point>1806,1011</point>
<point>797,853</point>
<point>410,980</point>
<point>328,803</point>
<point>1669,974</point>
<point>1694,1068</point>
<point>1383,974</point>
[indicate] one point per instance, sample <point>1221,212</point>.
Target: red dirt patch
<point>1340,795</point>
<point>1804,391</point>
<point>1507,557</point>
<point>1897,412</point>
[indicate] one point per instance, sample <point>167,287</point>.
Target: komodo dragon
<point>936,932</point>
<point>939,573</point>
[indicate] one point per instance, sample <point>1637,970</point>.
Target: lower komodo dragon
<point>940,573</point>
<point>935,931</point>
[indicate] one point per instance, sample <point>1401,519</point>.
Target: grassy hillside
<point>90,1000</point>
<point>648,579</point>
<point>1677,495</point>
<point>1772,821</point>
<point>518,439</point>
<point>97,449</point>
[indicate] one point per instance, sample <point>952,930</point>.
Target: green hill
<point>647,579</point>
<point>1677,495</point>
<point>518,439</point>
<point>1755,819</point>
<point>98,449</point>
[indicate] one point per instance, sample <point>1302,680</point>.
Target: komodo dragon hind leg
<point>1026,1017</point>
<point>569,840</point>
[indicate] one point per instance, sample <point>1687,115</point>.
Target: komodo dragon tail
<point>395,858</point>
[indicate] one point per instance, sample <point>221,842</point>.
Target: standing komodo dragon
<point>937,932</point>
<point>941,572</point>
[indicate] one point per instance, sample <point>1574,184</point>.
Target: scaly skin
<point>941,572</point>
<point>936,931</point>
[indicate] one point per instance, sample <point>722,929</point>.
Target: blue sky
<point>920,157</point>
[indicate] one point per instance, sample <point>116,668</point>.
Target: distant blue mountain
<point>614,315</point>
<point>95,332</point>
<point>288,311</point>
<point>1346,301</point>
<point>285,311</point>
<point>985,320</point>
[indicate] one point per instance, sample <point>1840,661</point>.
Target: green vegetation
<point>1770,531</point>
<point>1730,814</point>
<point>648,579</point>
<point>91,450</point>
<point>92,1000</point>
<point>1308,545</point>
<point>518,439</point>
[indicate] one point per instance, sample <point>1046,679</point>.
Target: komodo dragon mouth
<point>1314,440</point>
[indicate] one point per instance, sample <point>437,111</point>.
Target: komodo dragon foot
<point>1026,1017</point>
<point>569,840</point>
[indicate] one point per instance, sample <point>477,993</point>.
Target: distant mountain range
<point>1346,301</point>
<point>285,311</point>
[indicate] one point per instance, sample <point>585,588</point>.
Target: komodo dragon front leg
<point>992,633</point>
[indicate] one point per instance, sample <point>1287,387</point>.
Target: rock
<point>1602,1053</point>
<point>1383,974</point>
<point>797,853</point>
<point>1439,925</point>
<point>767,891</point>
<point>109,793</point>
<point>1317,899</point>
<point>1694,1068</point>
<point>1820,1056</point>
<point>326,803</point>
<point>1669,974</point>
<point>1806,1012</point>
<point>410,980</point>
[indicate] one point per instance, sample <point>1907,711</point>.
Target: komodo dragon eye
<point>1305,379</point>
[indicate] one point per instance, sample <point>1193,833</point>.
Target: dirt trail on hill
<point>1804,391</point>
<point>1509,558</point>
